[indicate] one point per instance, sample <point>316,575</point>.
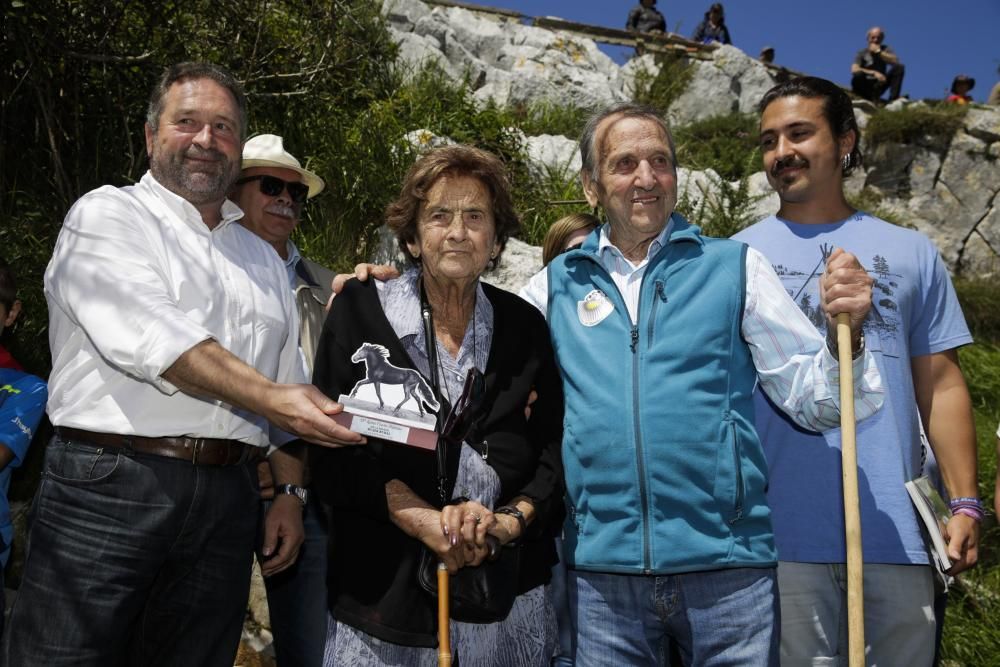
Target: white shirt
<point>136,279</point>
<point>793,364</point>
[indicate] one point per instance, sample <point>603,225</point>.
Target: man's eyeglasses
<point>272,186</point>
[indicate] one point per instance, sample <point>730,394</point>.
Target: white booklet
<point>934,513</point>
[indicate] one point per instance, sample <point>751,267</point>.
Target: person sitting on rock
<point>960,87</point>
<point>713,28</point>
<point>876,69</point>
<point>645,17</point>
<point>994,98</point>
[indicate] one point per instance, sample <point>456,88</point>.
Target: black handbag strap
<point>430,341</point>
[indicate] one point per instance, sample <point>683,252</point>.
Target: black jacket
<point>372,577</point>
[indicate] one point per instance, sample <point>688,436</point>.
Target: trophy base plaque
<point>403,426</point>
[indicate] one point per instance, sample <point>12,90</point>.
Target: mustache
<point>791,161</point>
<point>204,153</point>
<point>278,209</point>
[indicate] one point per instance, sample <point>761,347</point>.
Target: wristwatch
<point>293,490</point>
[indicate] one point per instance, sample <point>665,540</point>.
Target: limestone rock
<point>553,154</point>
<point>518,263</point>
<point>403,14</point>
<point>983,123</point>
<point>945,187</point>
<point>730,82</point>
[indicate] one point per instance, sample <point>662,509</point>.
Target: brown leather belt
<point>199,451</point>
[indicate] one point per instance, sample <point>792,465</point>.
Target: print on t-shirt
<point>802,284</point>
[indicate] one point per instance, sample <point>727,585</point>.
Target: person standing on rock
<point>272,190</point>
<point>645,17</point>
<point>661,334</point>
<point>172,328</point>
<point>809,140</point>
<point>713,27</point>
<point>876,68</point>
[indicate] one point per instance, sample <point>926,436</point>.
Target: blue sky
<point>935,40</point>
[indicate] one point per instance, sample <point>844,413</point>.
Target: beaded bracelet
<point>970,507</point>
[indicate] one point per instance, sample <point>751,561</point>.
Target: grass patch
<point>728,144</point>
<point>916,123</point>
<point>869,200</point>
<point>981,305</point>
<point>548,118</point>
<point>660,89</point>
<point>971,634</point>
<point>722,209</point>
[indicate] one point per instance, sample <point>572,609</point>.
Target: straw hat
<point>267,150</point>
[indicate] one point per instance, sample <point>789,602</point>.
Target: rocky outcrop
<point>945,187</point>
<point>508,62</point>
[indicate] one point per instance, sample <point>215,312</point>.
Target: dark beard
<point>204,185</point>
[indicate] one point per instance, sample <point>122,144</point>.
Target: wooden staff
<point>852,512</point>
<point>444,639</point>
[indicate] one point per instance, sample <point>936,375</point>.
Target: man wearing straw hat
<point>809,140</point>
<point>272,190</point>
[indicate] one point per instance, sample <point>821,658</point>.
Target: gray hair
<point>588,148</point>
<point>195,70</point>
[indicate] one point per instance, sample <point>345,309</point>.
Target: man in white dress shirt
<point>175,349</point>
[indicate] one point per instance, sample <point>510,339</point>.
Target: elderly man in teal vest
<point>661,335</point>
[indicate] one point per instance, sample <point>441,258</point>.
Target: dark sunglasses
<point>272,186</point>
<point>467,409</point>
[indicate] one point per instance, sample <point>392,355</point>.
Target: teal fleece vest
<point>664,470</point>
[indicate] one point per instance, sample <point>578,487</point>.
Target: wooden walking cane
<point>852,512</point>
<point>444,640</point>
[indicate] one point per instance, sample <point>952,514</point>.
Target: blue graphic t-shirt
<point>22,403</point>
<point>915,312</point>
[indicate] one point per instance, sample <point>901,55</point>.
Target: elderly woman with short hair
<point>504,480</point>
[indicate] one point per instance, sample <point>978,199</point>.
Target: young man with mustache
<point>810,141</point>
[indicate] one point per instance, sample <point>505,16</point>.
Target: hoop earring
<point>846,161</point>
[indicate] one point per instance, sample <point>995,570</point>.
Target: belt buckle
<point>196,447</point>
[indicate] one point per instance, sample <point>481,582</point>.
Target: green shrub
<point>728,144</point>
<point>547,118</point>
<point>915,123</point>
<point>869,200</point>
<point>971,634</point>
<point>659,90</point>
<point>980,301</point>
<point>722,210</point>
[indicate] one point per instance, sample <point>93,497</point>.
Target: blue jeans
<point>296,597</point>
<point>560,602</point>
<point>718,617</point>
<point>134,559</point>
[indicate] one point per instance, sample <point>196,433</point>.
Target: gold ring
<point>476,517</point>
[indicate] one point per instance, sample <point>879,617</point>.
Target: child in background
<point>22,403</point>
